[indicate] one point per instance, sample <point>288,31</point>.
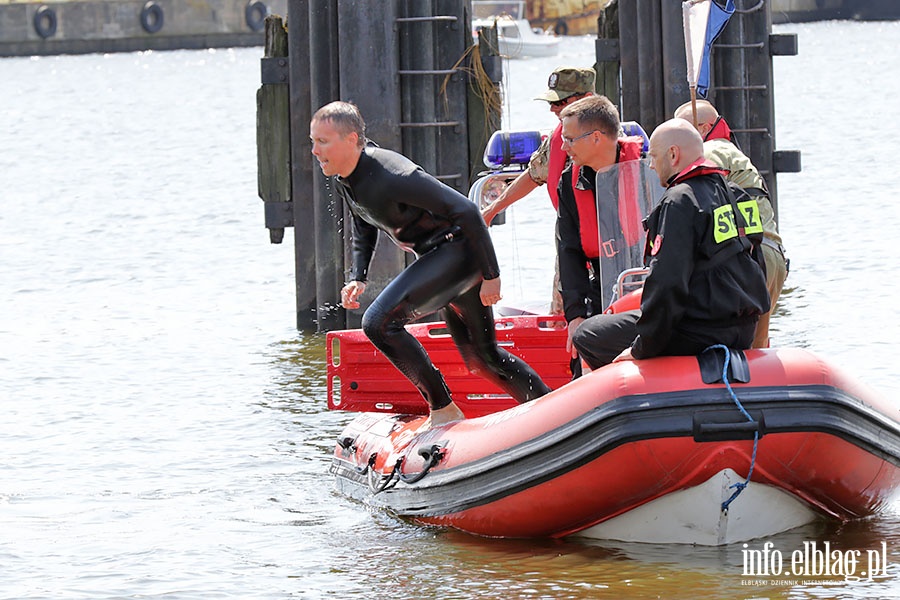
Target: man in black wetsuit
<point>705,286</point>
<point>456,269</point>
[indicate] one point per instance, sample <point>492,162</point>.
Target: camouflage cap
<point>568,81</point>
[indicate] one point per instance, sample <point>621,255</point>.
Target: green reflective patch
<point>724,225</point>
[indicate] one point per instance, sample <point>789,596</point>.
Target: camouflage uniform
<point>743,173</point>
<point>563,83</point>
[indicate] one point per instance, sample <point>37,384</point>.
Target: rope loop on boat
<point>432,457</point>
<point>369,464</point>
<point>738,487</point>
<point>387,481</point>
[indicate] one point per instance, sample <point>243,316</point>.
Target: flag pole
<point>703,21</point>
<point>694,105</point>
<point>690,57</point>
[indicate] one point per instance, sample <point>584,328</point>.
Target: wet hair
<point>345,118</point>
<point>596,112</point>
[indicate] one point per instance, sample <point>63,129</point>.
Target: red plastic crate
<point>361,379</point>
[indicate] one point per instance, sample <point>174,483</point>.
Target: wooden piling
<point>273,132</point>
<point>607,53</point>
<point>654,75</point>
<point>367,65</point>
<point>744,91</point>
<point>484,102</point>
<point>425,92</point>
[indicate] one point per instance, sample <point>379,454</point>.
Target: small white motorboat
<point>516,38</point>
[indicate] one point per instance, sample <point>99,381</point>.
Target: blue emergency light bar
<point>511,148</point>
<point>634,128</point>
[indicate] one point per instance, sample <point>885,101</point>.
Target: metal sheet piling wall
<point>88,26</point>
<point>404,64</point>
<point>302,189</point>
<point>327,214</point>
<point>408,65</point>
<point>367,66</point>
<point>651,55</point>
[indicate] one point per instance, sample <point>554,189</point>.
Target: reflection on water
<point>164,430</point>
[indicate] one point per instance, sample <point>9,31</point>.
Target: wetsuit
<point>388,192</point>
<point>704,286</point>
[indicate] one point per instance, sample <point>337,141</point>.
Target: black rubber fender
<point>255,14</point>
<point>561,28</point>
<point>152,17</point>
<point>45,21</point>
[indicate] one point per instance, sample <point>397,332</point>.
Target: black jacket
<point>696,283</point>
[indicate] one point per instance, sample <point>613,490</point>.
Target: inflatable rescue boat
<point>715,449</point>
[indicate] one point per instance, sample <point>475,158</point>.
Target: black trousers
<point>601,338</point>
<point>445,278</point>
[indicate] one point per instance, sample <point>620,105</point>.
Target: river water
<point>163,427</point>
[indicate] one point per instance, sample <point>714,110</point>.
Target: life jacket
<point>701,166</point>
<point>555,165</point>
<point>630,149</point>
<point>721,130</point>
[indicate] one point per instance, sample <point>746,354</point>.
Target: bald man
<point>718,147</point>
<point>705,286</point>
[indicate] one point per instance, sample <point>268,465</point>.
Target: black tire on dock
<point>255,15</point>
<point>561,28</point>
<point>152,17</point>
<point>45,22</point>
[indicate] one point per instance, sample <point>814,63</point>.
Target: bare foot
<point>441,416</point>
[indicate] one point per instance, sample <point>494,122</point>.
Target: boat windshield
<point>626,193</point>
<point>509,31</point>
<point>487,9</point>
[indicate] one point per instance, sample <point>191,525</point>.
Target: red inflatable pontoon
<point>655,450</point>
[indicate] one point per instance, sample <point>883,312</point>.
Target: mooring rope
<point>741,485</point>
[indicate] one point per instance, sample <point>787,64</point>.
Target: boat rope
<point>369,464</point>
<point>741,485</point>
<point>387,481</point>
<point>432,456</point>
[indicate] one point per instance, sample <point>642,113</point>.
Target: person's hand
<point>573,325</point>
<point>556,303</point>
<point>624,355</point>
<point>489,212</point>
<point>350,294</point>
<point>490,291</point>
<point>494,208</point>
